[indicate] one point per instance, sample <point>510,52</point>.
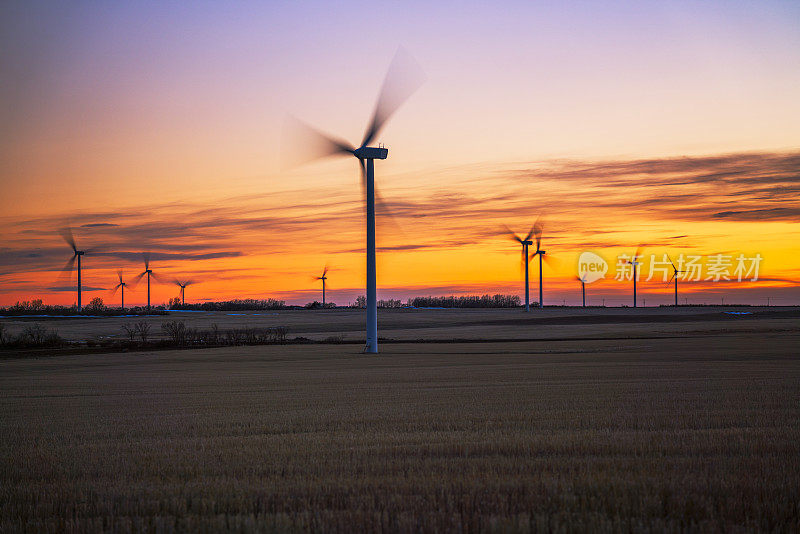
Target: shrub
<point>95,305</point>
<point>143,329</point>
<point>130,331</point>
<point>176,331</point>
<point>33,334</point>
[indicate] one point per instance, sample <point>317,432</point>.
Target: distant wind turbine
<point>323,278</point>
<point>675,273</point>
<point>537,230</point>
<point>121,286</point>
<point>525,242</point>
<point>183,285</point>
<point>582,280</point>
<point>147,271</point>
<point>634,262</point>
<point>66,233</point>
<point>402,80</point>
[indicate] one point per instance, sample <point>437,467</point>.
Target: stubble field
<point>658,425</point>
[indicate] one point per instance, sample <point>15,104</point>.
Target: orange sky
<point>160,129</point>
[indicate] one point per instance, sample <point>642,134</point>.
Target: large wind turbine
<point>525,242</point>
<point>403,78</point>
<point>675,273</point>
<point>66,233</point>
<point>147,271</point>
<point>121,286</point>
<point>183,285</point>
<point>323,278</point>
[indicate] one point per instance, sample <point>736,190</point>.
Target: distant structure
<point>634,262</point>
<point>675,273</point>
<point>147,271</point>
<point>323,278</point>
<point>537,230</point>
<point>582,280</point>
<point>182,292</point>
<point>121,286</point>
<point>402,80</point>
<point>66,233</point>
<point>525,242</point>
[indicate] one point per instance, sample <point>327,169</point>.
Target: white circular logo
<point>591,267</point>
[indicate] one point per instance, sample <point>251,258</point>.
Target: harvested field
<point>684,431</point>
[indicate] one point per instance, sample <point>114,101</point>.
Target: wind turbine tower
<point>402,80</point>
<point>675,273</point>
<point>121,286</point>
<point>525,242</point>
<point>66,233</point>
<point>149,272</point>
<point>323,278</point>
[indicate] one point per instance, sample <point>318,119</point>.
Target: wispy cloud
<point>590,205</point>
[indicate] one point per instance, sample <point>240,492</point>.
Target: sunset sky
<point>159,126</point>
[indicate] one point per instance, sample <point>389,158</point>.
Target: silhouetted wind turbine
<point>183,285</point>
<point>121,286</point>
<point>66,233</point>
<point>147,271</point>
<point>633,262</point>
<point>537,230</point>
<point>403,78</point>
<point>582,280</point>
<point>525,242</point>
<point>323,278</point>
<point>675,273</point>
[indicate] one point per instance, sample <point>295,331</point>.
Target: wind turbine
<point>121,286</point>
<point>537,230</point>
<point>582,280</point>
<point>147,271</point>
<point>66,233</point>
<point>675,273</point>
<point>526,242</point>
<point>183,289</point>
<point>323,278</point>
<point>402,79</point>
<point>633,262</point>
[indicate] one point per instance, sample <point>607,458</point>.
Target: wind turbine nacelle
<point>369,152</point>
<point>529,243</point>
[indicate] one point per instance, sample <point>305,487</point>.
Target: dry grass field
<point>663,426</point>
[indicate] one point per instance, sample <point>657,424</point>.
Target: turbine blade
<point>528,235</point>
<point>670,279</point>
<point>553,263</point>
<point>119,275</point>
<point>514,237</point>
<point>137,279</point>
<point>66,233</point>
<point>304,143</point>
<point>325,270</point>
<point>403,78</point>
<point>146,258</point>
<point>116,287</point>
<point>538,226</point>
<point>70,265</point>
<point>156,278</point>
